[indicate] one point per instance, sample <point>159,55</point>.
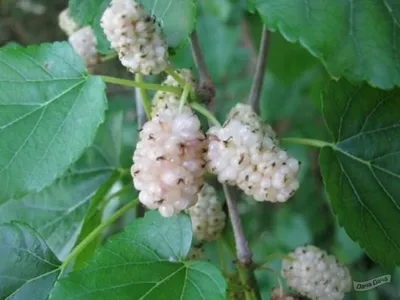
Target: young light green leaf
<point>145,262</point>
<point>361,170</point>
<point>340,34</point>
<point>28,268</point>
<point>50,112</point>
<point>57,211</point>
<point>176,17</point>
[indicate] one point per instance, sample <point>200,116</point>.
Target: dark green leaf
<point>145,262</point>
<point>50,112</point>
<point>177,18</point>
<point>57,211</point>
<point>28,268</point>
<point>219,8</point>
<point>359,40</point>
<point>224,58</point>
<point>361,170</point>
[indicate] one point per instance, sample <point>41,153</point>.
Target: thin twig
<point>141,119</point>
<point>243,252</point>
<point>254,98</point>
<point>206,86</point>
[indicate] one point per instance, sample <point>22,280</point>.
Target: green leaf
<point>50,112</point>
<point>57,211</point>
<point>28,268</point>
<point>361,170</point>
<point>85,12</point>
<point>145,262</point>
<point>359,40</point>
<point>177,18</point>
<point>219,8</point>
<point>224,57</point>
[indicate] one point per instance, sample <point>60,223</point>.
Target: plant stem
<point>206,113</point>
<point>243,252</point>
<point>141,119</point>
<point>184,97</point>
<point>254,98</point>
<point>108,57</point>
<point>98,230</point>
<point>307,142</point>
<point>143,96</point>
<point>170,71</point>
<point>143,85</point>
<point>221,255</point>
<point>118,193</point>
<point>207,87</point>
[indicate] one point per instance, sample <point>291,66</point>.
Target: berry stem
<point>143,85</point>
<point>124,189</point>
<point>243,252</point>
<point>98,230</point>
<point>184,97</point>
<point>108,57</point>
<point>205,112</point>
<point>308,142</point>
<point>143,96</point>
<point>170,71</point>
<point>207,87</point>
<point>254,97</point>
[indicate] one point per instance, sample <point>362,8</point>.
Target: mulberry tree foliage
<point>181,149</point>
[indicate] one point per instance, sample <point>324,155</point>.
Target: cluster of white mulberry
<point>171,157</point>
<point>135,36</point>
<point>315,274</point>
<point>208,218</point>
<point>82,40</point>
<point>244,152</point>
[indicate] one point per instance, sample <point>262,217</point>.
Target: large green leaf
<point>50,111</point>
<point>356,39</point>
<point>145,262</point>
<point>57,211</point>
<point>28,268</point>
<point>361,170</point>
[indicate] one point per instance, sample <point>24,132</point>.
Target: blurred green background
<point>290,101</point>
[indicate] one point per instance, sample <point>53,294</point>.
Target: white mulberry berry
<point>208,218</point>
<point>315,274</point>
<point>135,36</point>
<point>168,161</point>
<point>244,152</point>
<point>162,99</point>
<point>66,23</point>
<point>84,43</point>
